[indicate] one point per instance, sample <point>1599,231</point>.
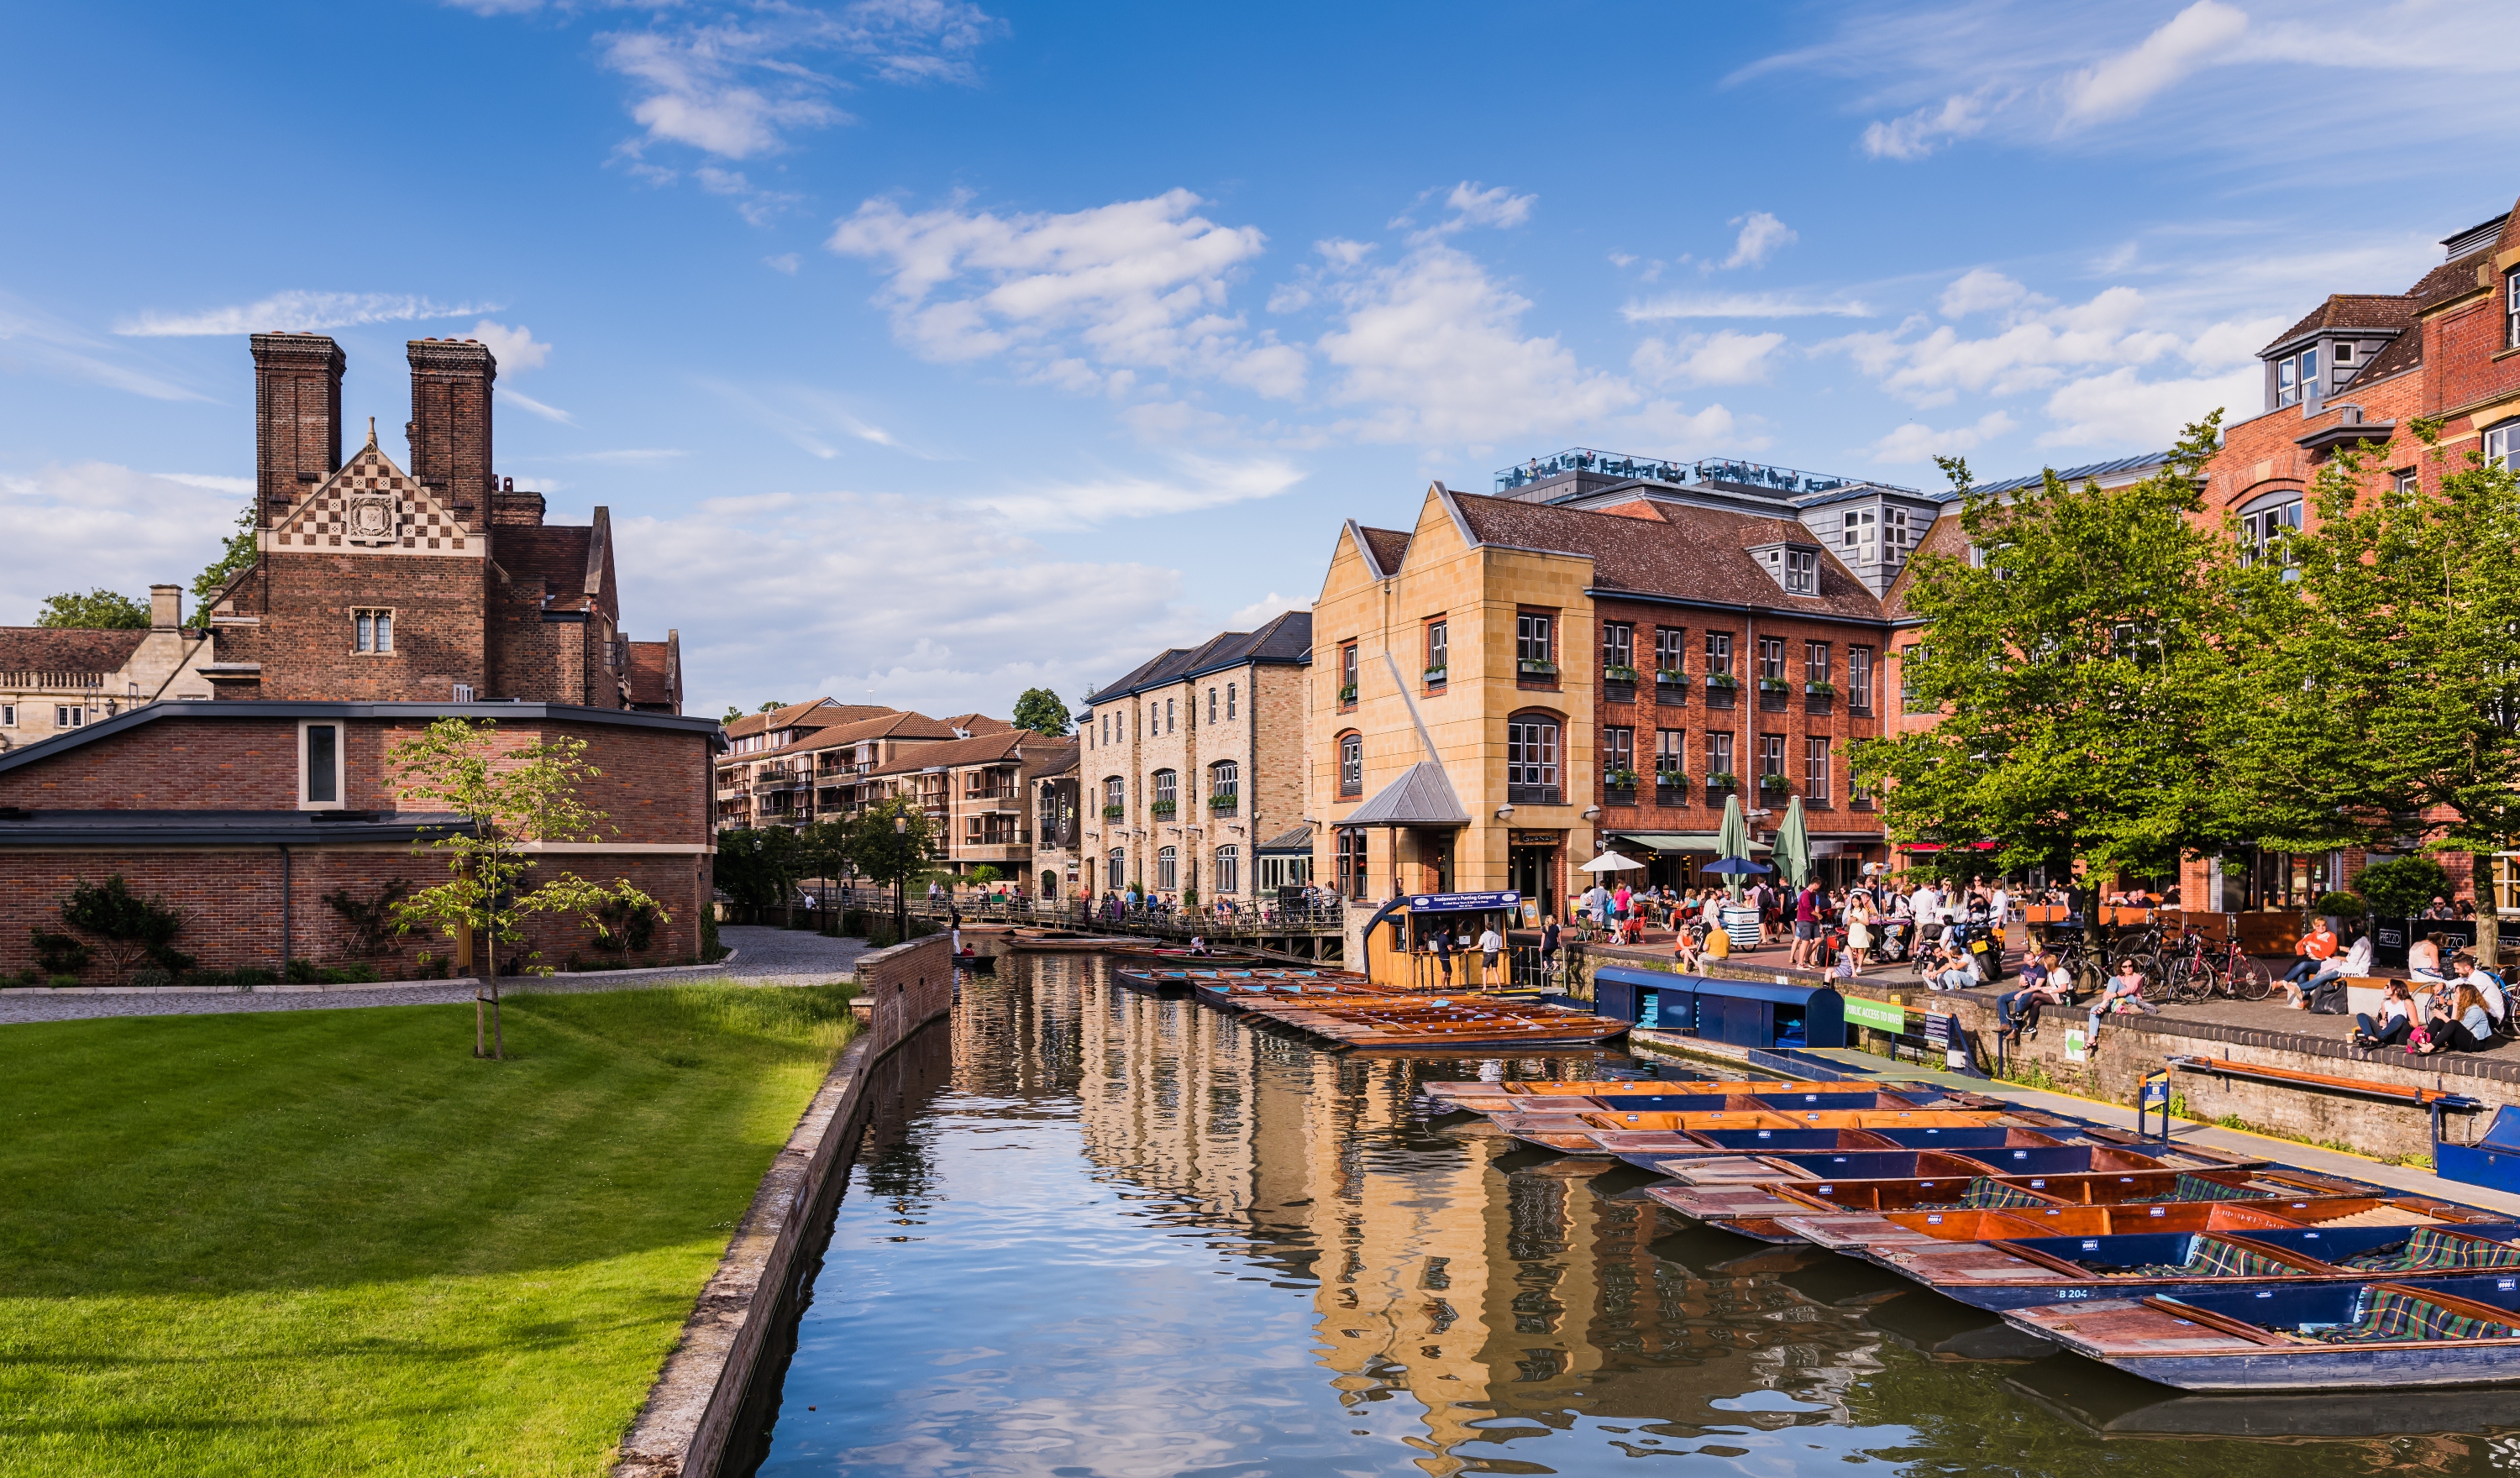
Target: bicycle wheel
<point>2158,986</point>
<point>2249,979</point>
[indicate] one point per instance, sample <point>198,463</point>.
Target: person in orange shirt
<point>2316,949</point>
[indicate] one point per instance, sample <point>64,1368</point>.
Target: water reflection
<point>1130,1235</point>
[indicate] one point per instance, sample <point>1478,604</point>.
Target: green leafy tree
<point>236,555</point>
<point>1041,711</point>
<point>773,706</point>
<point>893,842</point>
<point>732,714</point>
<point>2074,663</point>
<point>513,797</point>
<point>2402,887</point>
<point>823,846</point>
<point>99,609</point>
<point>125,927</point>
<point>759,865</point>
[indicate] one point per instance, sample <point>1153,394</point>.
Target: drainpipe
<point>284,913</point>
<point>1749,711</point>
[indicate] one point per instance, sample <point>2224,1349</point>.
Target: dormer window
<point>2344,356</point>
<point>1795,567</point>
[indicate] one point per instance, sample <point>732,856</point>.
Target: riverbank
<point>332,1241</point>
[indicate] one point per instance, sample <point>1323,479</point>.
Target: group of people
<point>1444,941</point>
<point>2456,1008</point>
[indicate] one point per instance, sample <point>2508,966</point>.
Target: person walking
<point>1491,955</point>
<point>1548,946</point>
<point>1806,925</point>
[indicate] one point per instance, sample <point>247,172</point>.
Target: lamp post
<point>900,905</point>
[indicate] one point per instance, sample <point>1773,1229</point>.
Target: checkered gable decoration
<point>373,507</point>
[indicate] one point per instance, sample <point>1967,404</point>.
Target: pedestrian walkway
<point>762,956</point>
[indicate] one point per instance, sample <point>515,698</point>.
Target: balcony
<point>786,779</point>
<point>1534,795</point>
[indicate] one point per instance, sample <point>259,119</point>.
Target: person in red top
<point>1807,926</point>
<point>2316,949</point>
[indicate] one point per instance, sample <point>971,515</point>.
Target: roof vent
<point>2482,234</point>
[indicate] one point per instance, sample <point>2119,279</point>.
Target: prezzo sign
<point>1461,903</point>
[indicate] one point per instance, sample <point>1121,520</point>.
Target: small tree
<point>892,841</point>
<point>99,609</point>
<point>823,847</point>
<point>2402,887</point>
<point>1041,711</point>
<point>125,927</point>
<point>494,887</point>
<point>234,555</point>
<point>759,865</point>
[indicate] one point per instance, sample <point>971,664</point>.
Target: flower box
<point>1533,667</point>
<point>1111,813</point>
<point>1347,695</point>
<point>1161,810</point>
<point>1435,677</point>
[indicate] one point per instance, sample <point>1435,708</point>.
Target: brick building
<point>379,601</point>
<point>57,679</point>
<point>978,792</point>
<point>1599,656</point>
<point>2359,370</point>
<point>1195,760</point>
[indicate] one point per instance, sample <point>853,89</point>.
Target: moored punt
<point>1066,944</point>
<point>1606,1134</point>
<point>1855,1231</point>
<point>2027,1271</point>
<point>1876,1164</point>
<point>1447,1023</point>
<point>1230,977</point>
<point>2430,1332</point>
<point>1595,1087</point>
<point>1857,1214</point>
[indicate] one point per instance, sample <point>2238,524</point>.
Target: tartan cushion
<point>2388,1314</point>
<point>2212,1257</point>
<point>1988,1194</point>
<point>2431,1247</point>
<point>2194,1188</point>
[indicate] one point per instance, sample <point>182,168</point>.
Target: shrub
<point>244,978</point>
<point>621,923</point>
<point>151,978</point>
<point>60,954</point>
<point>2402,887</point>
<point>371,918</point>
<point>2342,905</point>
<point>133,928</point>
<point>65,983</point>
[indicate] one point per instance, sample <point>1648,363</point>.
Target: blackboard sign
<point>2391,937</point>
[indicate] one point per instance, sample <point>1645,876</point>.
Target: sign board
<point>1881,1016</point>
<point>1938,1030</point>
<point>1534,838</point>
<point>1461,903</point>
<point>2076,1048</point>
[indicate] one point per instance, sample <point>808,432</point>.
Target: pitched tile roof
<point>816,712</point>
<point>1945,537</point>
<point>978,750</point>
<point>66,649</point>
<point>2352,310</point>
<point>1287,638</point>
<point>1389,546</point>
<point>1701,553</point>
<point>898,726</point>
<point>977,723</point>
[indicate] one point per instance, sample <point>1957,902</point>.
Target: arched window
<point>1228,870</point>
<point>2267,522</point>
<point>1167,867</point>
<point>1211,705</point>
<point>1169,715</point>
<point>1225,787</point>
<point>1531,758</point>
<point>1163,795</point>
<point>1228,700</point>
<point>1351,763</point>
<point>1120,870</point>
<point>1115,797</point>
<point>1049,885</point>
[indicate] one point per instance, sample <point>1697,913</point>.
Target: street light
<point>900,905</point>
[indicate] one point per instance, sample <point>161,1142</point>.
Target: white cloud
<point>510,394</point>
<point>1979,289</point>
<point>785,261</point>
<point>2202,33</point>
<point>517,349</point>
<point>1919,134</point>
<point>79,525</point>
<point>1762,237</point>
<point>756,204</point>
<point>1740,305</point>
<point>241,486</point>
<point>1472,205</point>
<point>2119,408</point>
<point>1261,612</point>
<point>1918,442</point>
<point>1089,300</point>
<point>1200,483</point>
<point>2035,346</point>
<point>1723,357</point>
<point>34,341</point>
<point>299,313</point>
<point>1339,251</point>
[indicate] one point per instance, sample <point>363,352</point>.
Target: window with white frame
<point>1228,869</point>
<point>8,715</point>
<point>1531,752</point>
<point>373,631</point>
<point>1351,763</point>
<point>2511,308</point>
<point>1815,769</point>
<point>1224,783</point>
<point>1718,654</point>
<point>1118,869</point>
<point>319,766</point>
<point>1531,637</point>
<point>1228,700</point>
<point>2502,445</point>
<point>69,716</point>
<point>1719,757</point>
<point>2404,481</point>
<point>2266,529</point>
<point>1894,534</point>
<point>1167,867</point>
<point>1859,679</point>
<point>2287,389</point>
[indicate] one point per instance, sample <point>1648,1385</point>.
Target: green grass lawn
<point>330,1242</point>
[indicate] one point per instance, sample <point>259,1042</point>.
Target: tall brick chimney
<point>450,424</point>
<point>297,418</point>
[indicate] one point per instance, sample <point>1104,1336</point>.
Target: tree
<point>99,609</point>
<point>732,714</point>
<point>234,556</point>
<point>128,927</point>
<point>823,847</point>
<point>1041,711</point>
<point>509,798</point>
<point>892,841</point>
<point>759,865</point>
<point>2074,661</point>
<point>773,706</point>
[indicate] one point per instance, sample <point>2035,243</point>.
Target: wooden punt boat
<point>1595,1087</point>
<point>1856,1230</point>
<point>1445,1022</point>
<point>1892,1165</point>
<point>1858,1214</point>
<point>2027,1271</point>
<point>1225,977</point>
<point>1596,1132</point>
<point>1065,944</point>
<point>2397,1333</point>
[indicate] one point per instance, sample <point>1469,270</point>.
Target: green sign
<point>1887,1015</point>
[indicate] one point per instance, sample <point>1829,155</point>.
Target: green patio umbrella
<point>1733,839</point>
<point>1792,853</point>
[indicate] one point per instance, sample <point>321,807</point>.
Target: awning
<point>1299,841</point>
<point>1422,797</point>
<point>1679,842</point>
<point>1936,846</point>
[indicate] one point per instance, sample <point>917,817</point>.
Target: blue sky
<point>930,350</point>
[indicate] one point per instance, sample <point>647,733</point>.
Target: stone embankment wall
<point>691,1414</point>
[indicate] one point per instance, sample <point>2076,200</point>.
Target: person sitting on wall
<point>2423,959</point>
<point>2317,948</point>
<point>2042,984</point>
<point>1717,943</point>
<point>2487,986</point>
<point>2122,996</point>
<point>2460,1026</point>
<point>2397,1019</point>
<point>1690,945</point>
<point>2323,991</point>
<point>1954,970</point>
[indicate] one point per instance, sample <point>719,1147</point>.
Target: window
<point>1771,658</point>
<point>2502,445</point>
<point>2265,528</point>
<point>1772,755</point>
<point>1169,715</point>
<point>1815,770</point>
<point>1166,789</point>
<point>373,630</point>
<point>1718,654</point>
<point>1909,657</point>
<point>1350,862</point>
<point>1439,650</point>
<point>1856,792</point>
<point>989,830</point>
<point>2288,392</point>
<point>2404,481</point>
<point>1167,867</point>
<point>1229,702</point>
<point>68,716</point>
<point>1228,869</point>
<point>1894,534</point>
<point>1802,572</point>
<point>1351,763</point>
<point>8,715</point>
<point>1115,797</point>
<point>1719,757</point>
<point>319,766</point>
<point>1119,870</point>
<point>1671,752</point>
<point>1224,785</point>
<point>1211,705</point>
<point>1618,749</point>
<point>1618,644</point>
<point>1860,533</point>
<point>1859,679</point>
<point>2342,356</point>
<point>1814,661</point>
<point>1285,871</point>
<point>2511,308</point>
<point>1531,753</point>
<point>1347,674</point>
<point>1670,649</point>
<point>1531,642</point>
<point>462,693</point>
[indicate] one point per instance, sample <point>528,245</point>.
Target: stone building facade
<point>1189,764</point>
<point>379,601</point>
<point>54,680</point>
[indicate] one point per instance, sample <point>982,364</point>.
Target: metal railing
<point>1760,474</point>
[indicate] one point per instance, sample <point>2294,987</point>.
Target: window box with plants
<point>1162,810</point>
<point>1534,670</point>
<point>1773,784</point>
<point>1671,686</point>
<point>1619,684</point>
<point>1619,787</point>
<point>1721,784</point>
<point>1818,698</point>
<point>1112,813</point>
<point>1347,696</point>
<point>1720,688</point>
<point>1225,805</point>
<point>1435,677</point>
<point>1670,788</point>
<point>1772,694</point>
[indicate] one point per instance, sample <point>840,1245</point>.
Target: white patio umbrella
<point>1609,862</point>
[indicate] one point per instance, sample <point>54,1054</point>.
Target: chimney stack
<point>166,608</point>
<point>297,418</point>
<point>509,506</point>
<point>450,424</point>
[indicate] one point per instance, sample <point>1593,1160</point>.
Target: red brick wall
<point>450,424</point>
<point>307,643</point>
<point>297,416</point>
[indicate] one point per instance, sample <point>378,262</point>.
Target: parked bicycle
<point>2197,968</point>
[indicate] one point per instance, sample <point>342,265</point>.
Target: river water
<point>1097,1235</point>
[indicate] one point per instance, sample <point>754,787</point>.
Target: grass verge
<point>330,1242</point>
